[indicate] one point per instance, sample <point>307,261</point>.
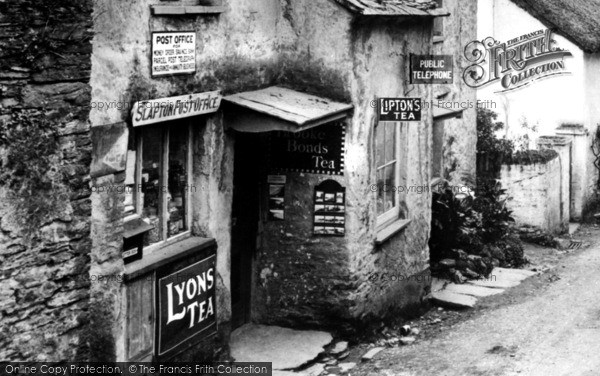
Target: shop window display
<point>157,179</point>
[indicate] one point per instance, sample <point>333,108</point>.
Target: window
<point>438,25</point>
<point>438,149</point>
<point>157,179</point>
<point>389,136</point>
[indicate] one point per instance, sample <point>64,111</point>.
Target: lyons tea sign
<point>186,306</point>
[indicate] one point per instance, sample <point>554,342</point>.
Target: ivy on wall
<point>30,168</point>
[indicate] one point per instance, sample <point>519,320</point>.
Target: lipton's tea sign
<point>516,63</point>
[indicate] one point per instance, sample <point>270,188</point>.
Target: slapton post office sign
<point>173,52</point>
<point>431,69</point>
<point>164,109</point>
<point>186,306</point>
<point>399,109</point>
<point>319,150</point>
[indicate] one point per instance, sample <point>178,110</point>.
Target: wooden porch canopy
<point>280,109</point>
<point>440,113</point>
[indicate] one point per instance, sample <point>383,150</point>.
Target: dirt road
<point>549,325</point>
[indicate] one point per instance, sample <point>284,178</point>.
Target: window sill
<point>436,181</point>
<point>438,39</point>
<point>390,230</point>
<point>173,10</point>
<point>166,255</point>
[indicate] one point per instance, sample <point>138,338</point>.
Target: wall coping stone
<point>173,10</point>
<point>166,255</point>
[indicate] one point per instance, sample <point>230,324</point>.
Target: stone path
<point>290,349</point>
<point>285,348</point>
<point>451,295</point>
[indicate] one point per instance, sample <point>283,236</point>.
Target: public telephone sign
<point>186,306</point>
<point>431,69</point>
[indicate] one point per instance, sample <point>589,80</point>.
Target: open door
<point>245,217</point>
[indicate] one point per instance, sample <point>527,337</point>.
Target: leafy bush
<point>478,223</point>
<point>454,223</point>
<point>491,203</point>
<point>491,150</point>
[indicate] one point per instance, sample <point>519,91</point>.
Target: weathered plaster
<point>460,135</point>
<point>534,195</point>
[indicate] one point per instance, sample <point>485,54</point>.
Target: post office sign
<point>173,52</point>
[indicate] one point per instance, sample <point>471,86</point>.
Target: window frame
<point>438,125</point>
<point>386,218</point>
<point>438,25</point>
<point>164,128</point>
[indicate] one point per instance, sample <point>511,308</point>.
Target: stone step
<point>519,274</point>
<point>472,290</point>
<point>495,284</point>
<point>503,278</point>
<point>371,353</point>
<point>285,348</point>
<point>453,300</point>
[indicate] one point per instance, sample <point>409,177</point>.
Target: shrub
<point>478,224</point>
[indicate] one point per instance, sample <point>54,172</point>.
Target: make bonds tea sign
<point>318,150</point>
<point>173,53</point>
<point>431,69</point>
<point>186,306</point>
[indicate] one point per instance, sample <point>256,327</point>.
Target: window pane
<point>390,183</point>
<point>380,192</point>
<point>151,151</point>
<point>390,142</point>
<point>130,191</point>
<point>379,144</point>
<point>178,184</point>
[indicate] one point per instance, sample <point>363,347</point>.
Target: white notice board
<point>173,52</point>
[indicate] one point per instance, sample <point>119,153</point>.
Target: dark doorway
<point>245,217</point>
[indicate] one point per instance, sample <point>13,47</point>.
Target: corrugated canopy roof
<point>423,8</point>
<point>576,20</point>
<point>295,111</point>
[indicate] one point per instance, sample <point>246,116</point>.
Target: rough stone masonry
<point>45,151</point>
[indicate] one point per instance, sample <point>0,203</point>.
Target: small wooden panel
<point>166,255</point>
<point>140,317</point>
<point>173,10</point>
<point>289,105</point>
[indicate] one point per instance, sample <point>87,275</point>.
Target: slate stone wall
<point>45,151</point>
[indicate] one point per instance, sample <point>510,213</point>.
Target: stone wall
<point>460,135</point>
<point>580,167</point>
<point>380,69</point>
<point>591,203</point>
<point>533,193</point>
<point>44,184</point>
<point>236,51</point>
<point>321,281</point>
<point>301,278</point>
<point>564,148</point>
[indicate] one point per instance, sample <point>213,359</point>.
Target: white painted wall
<point>534,194</point>
<point>549,102</point>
